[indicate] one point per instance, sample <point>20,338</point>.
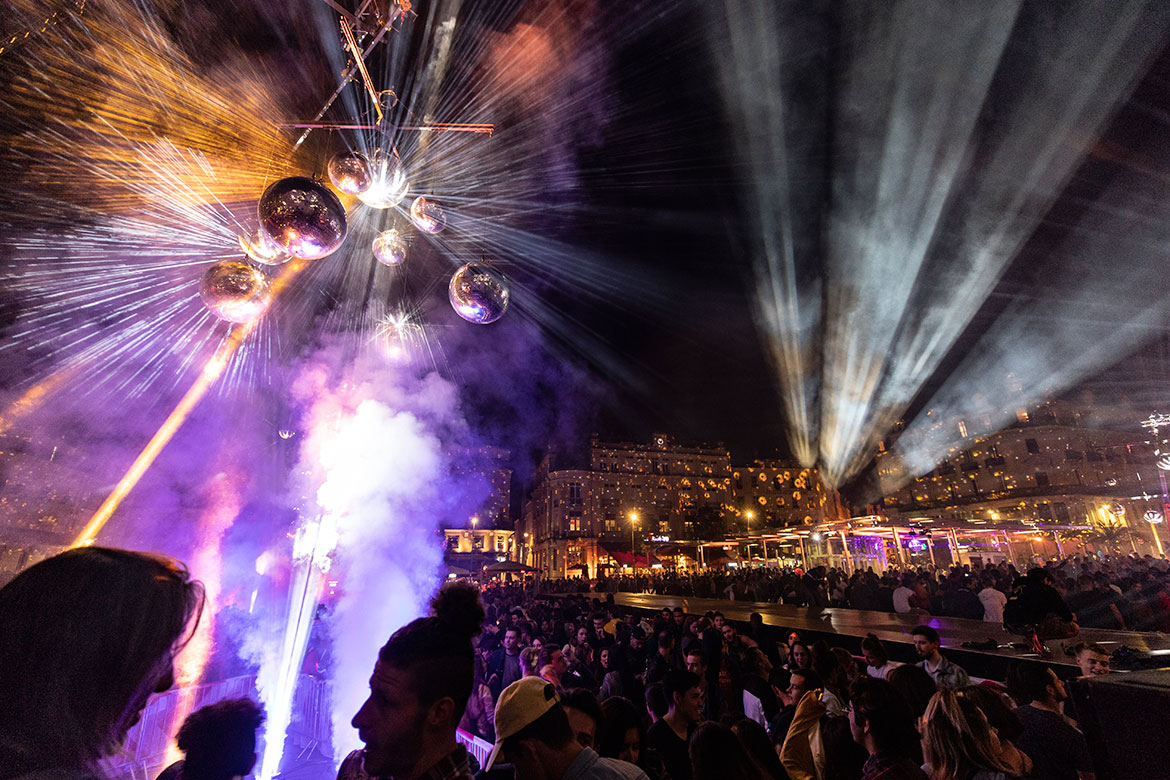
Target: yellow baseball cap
<point>520,704</point>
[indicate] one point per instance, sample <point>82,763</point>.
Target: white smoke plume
<point>375,447</point>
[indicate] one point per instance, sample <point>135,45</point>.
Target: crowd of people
<point>1115,593</point>
<point>569,687</point>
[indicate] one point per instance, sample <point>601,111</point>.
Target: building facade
<point>473,548</point>
<point>1053,468</point>
<point>479,534</point>
<point>635,498</point>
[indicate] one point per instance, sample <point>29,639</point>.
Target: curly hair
<point>219,740</point>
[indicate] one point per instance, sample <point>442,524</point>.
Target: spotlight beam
<point>860,300</point>
<point>34,397</point>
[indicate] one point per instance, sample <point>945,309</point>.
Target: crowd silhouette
<point>570,685</point>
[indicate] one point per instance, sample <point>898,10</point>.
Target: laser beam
<point>212,370</point>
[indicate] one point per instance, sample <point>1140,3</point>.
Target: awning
<point>507,566</point>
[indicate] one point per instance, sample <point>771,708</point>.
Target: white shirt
<point>754,709</point>
<point>833,705</point>
<point>880,672</point>
<point>993,601</point>
<point>902,596</point>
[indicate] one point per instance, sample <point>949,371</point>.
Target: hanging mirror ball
<point>390,247</point>
<point>263,249</point>
<point>427,215</point>
<point>302,217</point>
<point>350,172</point>
<point>478,294</point>
<point>235,291</point>
<point>388,185</point>
<point>1152,516</point>
<point>1117,509</point>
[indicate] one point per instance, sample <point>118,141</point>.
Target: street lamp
<point>474,520</point>
<point>749,515</point>
<point>633,556</point>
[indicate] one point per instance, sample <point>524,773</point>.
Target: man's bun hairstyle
<point>437,650</point>
<point>457,608</point>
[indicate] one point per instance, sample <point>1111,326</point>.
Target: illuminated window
<point>962,429</point>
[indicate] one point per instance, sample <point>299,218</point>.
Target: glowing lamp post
<point>633,555</point>
<point>749,515</point>
<point>1155,422</point>
<point>1154,517</point>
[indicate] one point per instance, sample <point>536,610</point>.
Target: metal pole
<point>930,549</point>
<point>803,554</point>
<point>845,550</point>
<point>1059,546</point>
<point>764,543</point>
<point>898,547</point>
<point>1011,551</point>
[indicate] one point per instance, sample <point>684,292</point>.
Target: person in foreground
<point>218,742</point>
<point>882,723</point>
<point>718,754</point>
<point>87,637</point>
<point>1057,748</point>
<point>534,736</point>
<point>958,743</point>
<point>671,735</point>
<point>420,686</point>
<point>944,672</point>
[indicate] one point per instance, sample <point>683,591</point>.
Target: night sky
<point>671,160</point>
<point>659,188</point>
